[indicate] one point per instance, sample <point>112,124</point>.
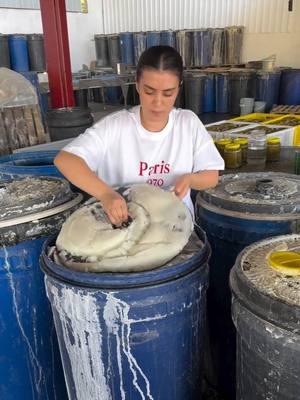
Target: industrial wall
<point>270,27</point>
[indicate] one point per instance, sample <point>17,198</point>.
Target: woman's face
<point>158,91</point>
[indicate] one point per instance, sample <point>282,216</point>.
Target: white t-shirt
<point>121,152</point>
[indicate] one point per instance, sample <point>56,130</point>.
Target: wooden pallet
<point>281,109</point>
<point>20,127</point>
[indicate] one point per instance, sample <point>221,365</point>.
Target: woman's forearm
<point>204,180</point>
<point>77,172</point>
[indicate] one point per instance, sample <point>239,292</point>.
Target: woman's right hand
<point>115,206</point>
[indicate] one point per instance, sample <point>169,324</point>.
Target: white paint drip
<point>116,316</point>
<point>78,313</point>
<point>37,369</point>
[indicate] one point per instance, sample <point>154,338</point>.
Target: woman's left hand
<point>182,185</point>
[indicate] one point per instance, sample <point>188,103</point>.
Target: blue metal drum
<point>202,47</point>
<point>126,44</point>
<point>30,366</point>
<point>168,38</point>
<point>131,335</point>
<point>267,88</point>
<point>209,93</point>
<point>152,38</point>
<point>18,49</point>
<point>28,163</point>
<point>140,44</point>
<point>222,92</point>
<point>242,209</point>
<point>290,87</point>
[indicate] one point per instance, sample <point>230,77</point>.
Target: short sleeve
<point>206,155</point>
<point>90,145</point>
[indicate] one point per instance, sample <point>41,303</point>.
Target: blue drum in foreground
<point>266,312</point>
<point>28,163</point>
<point>31,209</point>
<point>132,335</point>
<point>242,209</point>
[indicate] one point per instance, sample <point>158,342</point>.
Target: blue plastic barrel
<point>32,77</point>
<point>28,163</point>
<point>222,92</point>
<point>267,87</point>
<point>290,87</point>
<point>202,40</point>
<point>140,43</point>
<point>152,38</point>
<point>242,209</point>
<point>126,44</point>
<point>168,38</point>
<point>209,93</point>
<point>18,49</point>
<point>30,366</point>
<point>131,335</point>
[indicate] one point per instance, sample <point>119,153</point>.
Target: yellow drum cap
<point>285,262</point>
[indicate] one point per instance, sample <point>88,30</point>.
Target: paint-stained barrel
<point>266,312</point>
<point>31,210</point>
<point>139,44</point>
<point>242,209</point>
<point>132,335</point>
<point>126,44</point>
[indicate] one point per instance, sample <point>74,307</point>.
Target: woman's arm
<point>76,170</point>
<point>198,181</point>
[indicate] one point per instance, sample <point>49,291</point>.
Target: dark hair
<point>161,58</point>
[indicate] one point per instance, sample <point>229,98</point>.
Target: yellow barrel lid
<point>273,140</point>
<point>285,262</point>
<point>241,140</point>
<point>224,141</point>
<point>232,146</point>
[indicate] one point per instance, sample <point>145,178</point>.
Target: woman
<point>152,143</point>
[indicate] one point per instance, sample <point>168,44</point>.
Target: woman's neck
<point>150,125</point>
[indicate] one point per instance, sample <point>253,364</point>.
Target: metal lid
<point>276,194</point>
<point>260,265</point>
<point>31,195</point>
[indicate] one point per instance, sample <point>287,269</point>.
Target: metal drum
<point>267,88</point>
<point>266,314</point>
<point>184,45</point>
<point>139,43</point>
<point>114,50</point>
<point>101,47</point>
<point>36,52</point>
<point>209,93</point>
<point>152,38</point>
<point>18,50</point>
<point>193,90</point>
<point>242,209</point>
<point>131,335</point>
<point>241,84</point>
<point>4,51</point>
<point>126,44</point>
<point>202,40</point>
<point>31,210</point>
<point>290,87</point>
<point>222,92</point>
<point>168,38</point>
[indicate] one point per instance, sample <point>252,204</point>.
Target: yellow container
<point>233,156</point>
<point>273,149</point>
<point>256,117</point>
<point>283,120</point>
<point>243,142</point>
<point>285,262</point>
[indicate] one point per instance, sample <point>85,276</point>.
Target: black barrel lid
<point>270,289</point>
<point>260,193</point>
<point>32,195</point>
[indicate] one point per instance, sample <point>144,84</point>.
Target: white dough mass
<point>160,228</point>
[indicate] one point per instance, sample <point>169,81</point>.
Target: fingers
<point>117,211</point>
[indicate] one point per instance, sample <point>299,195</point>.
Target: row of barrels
<point>158,317</point>
<point>198,47</point>
<point>22,52</point>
